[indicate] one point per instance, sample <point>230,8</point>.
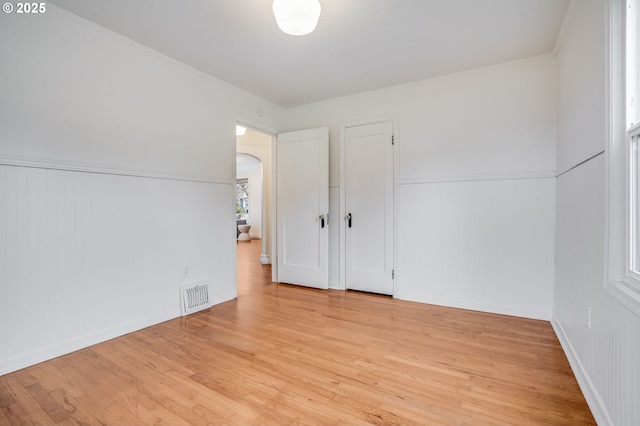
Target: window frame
<point>622,282</point>
<point>632,141</point>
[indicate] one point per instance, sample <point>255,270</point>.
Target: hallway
<point>252,276</point>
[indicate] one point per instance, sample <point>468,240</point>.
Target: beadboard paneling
<point>87,256</point>
<point>605,358</point>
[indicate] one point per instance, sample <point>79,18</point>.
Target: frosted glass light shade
<point>297,17</point>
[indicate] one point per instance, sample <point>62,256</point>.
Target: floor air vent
<point>195,297</point>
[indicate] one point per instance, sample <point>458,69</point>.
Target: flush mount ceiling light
<point>297,17</point>
<point>240,130</point>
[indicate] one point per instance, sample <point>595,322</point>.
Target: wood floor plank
<point>287,355</point>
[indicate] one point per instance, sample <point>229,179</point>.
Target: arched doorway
<point>254,163</point>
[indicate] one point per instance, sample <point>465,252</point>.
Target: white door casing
<point>302,207</point>
<point>368,185</point>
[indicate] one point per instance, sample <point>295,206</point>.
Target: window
<point>242,197</point>
<point>632,59</point>
<point>624,153</point>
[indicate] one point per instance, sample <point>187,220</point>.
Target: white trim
<point>625,295</point>
<point>579,163</point>
<point>587,155</point>
<point>618,283</point>
<point>224,297</point>
<point>591,395</point>
<point>475,306</point>
<point>44,354</point>
<point>270,230</point>
<point>274,208</point>
<point>335,285</point>
<point>101,169</point>
<point>53,351</point>
<point>549,174</point>
<point>254,125</point>
<point>396,191</point>
<point>634,130</point>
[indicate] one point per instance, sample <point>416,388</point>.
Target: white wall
<point>581,106</point>
<point>76,93</point>
<point>116,172</point>
<point>605,357</point>
<point>476,247</point>
<point>475,206</point>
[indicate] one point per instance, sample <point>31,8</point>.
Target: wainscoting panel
<point>88,256</point>
<point>482,245</point>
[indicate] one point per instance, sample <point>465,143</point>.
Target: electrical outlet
<point>185,271</point>
<point>587,318</point>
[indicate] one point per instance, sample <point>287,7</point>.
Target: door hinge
<point>393,139</point>
<point>393,274</point>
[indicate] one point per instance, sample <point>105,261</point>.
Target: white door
<point>302,194</point>
<point>368,199</point>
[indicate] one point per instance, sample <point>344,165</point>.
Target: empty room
<point>440,225</point>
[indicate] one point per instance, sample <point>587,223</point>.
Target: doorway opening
<point>254,192</point>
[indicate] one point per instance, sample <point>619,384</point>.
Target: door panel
<point>368,152</point>
<point>302,207</point>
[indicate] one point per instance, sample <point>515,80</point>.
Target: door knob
<point>349,220</point>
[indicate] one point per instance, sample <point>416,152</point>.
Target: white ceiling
<point>359,45</point>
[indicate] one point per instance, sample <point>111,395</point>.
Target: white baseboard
<point>598,409</point>
<point>44,354</point>
<point>224,297</point>
<point>335,285</point>
<point>475,306</point>
<point>53,351</point>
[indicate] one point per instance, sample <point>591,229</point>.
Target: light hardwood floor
<point>285,355</point>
